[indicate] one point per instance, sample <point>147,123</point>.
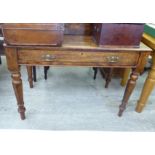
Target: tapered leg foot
<point>21,111</point>
<point>121,109</point>
<point>139,108</point>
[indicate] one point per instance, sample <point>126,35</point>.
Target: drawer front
<point>76,58</point>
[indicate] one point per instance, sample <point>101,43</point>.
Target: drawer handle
<point>48,57</point>
<point>112,59</point>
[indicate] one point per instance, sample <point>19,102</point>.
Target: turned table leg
<point>128,91</point>
<point>30,78</point>
<point>18,89</point>
<point>147,88</point>
<point>13,66</point>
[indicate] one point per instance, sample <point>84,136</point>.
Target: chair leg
<point>34,74</point>
<point>30,78</point>
<point>147,88</point>
<point>46,68</point>
<point>108,77</point>
<point>0,60</point>
<point>95,72</point>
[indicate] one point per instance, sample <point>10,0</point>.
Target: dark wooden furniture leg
<point>30,78</point>
<point>128,91</point>
<point>34,74</point>
<point>132,81</point>
<point>18,89</point>
<point>46,68</point>
<point>108,77</point>
<point>95,72</point>
<point>14,68</point>
<point>0,60</point>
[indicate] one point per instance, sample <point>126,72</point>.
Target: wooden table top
<point>85,43</point>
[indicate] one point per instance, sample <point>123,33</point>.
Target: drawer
<point>78,58</point>
<point>33,34</point>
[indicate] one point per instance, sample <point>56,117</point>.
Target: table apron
<point>74,58</point>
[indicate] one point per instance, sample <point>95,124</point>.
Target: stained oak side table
<point>75,51</point>
<point>150,80</point>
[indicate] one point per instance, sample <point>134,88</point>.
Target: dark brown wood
<point>75,51</point>
<point>86,58</point>
<point>95,72</point>
<point>128,91</point>
<point>74,29</point>
<point>46,68</point>
<point>108,77</point>
<point>118,34</point>
<point>12,61</point>
<point>132,82</point>
<point>83,43</point>
<point>30,78</point>
<point>78,28</point>
<point>33,34</point>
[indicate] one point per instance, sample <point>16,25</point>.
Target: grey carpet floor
<point>71,100</point>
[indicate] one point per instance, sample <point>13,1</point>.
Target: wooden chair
<point>106,74</point>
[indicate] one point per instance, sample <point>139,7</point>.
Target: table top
<point>71,42</point>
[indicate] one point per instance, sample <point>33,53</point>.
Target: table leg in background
<point>125,76</point>
<point>147,88</point>
<point>30,78</point>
